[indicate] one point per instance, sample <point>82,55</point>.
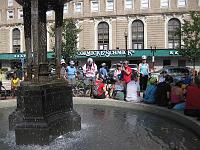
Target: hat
<point>90,60</point>
<point>71,62</point>
<point>152,80</point>
<point>62,61</point>
<point>144,57</point>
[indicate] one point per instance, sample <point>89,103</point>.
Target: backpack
<point>95,91</point>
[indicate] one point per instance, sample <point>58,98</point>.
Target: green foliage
<point>69,37</point>
<point>190,33</point>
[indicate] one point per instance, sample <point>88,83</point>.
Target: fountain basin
<point>111,125</point>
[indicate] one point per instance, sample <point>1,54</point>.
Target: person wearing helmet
<point>71,73</point>
<point>143,69</point>
<point>103,71</point>
<point>63,69</point>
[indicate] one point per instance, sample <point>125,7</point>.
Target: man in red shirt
<point>126,75</point>
<point>192,107</point>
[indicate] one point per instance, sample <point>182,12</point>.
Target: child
<point>149,96</point>
<point>133,90</point>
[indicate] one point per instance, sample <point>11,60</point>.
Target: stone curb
<point>177,116</point>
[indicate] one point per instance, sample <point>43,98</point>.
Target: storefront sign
<point>173,52</point>
<point>107,53</point>
<point>19,55</point>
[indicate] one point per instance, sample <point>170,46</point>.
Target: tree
<point>190,33</point>
<point>69,37</point>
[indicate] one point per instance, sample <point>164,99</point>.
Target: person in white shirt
<point>133,90</point>
<point>89,70</point>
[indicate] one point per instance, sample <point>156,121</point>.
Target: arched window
<point>103,36</point>
<point>16,40</point>
<point>174,41</point>
<point>137,34</point>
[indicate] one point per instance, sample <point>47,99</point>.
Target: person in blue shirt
<point>144,73</point>
<point>71,73</point>
<point>149,95</point>
<point>103,71</point>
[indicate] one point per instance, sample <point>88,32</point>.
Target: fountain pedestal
<point>43,110</point>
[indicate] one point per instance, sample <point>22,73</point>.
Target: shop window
<point>164,3</point>
<point>103,36</point>
<point>174,41</point>
<point>137,34</point>
<point>166,62</point>
<point>94,5</point>
<point>144,4</point>
<point>128,4</point>
<point>16,40</point>
<point>182,63</point>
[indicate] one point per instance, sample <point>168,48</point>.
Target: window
<point>164,3</point>
<point>137,34</point>
<point>94,5</point>
<point>144,4</point>
<point>199,2</point>
<point>174,41</point>
<point>10,14</point>
<point>78,7</point>
<point>20,13</point>
<point>103,36</point>
<point>128,4</point>
<point>166,62</point>
<point>110,5</point>
<point>65,9</point>
<point>10,3</point>
<point>181,3</point>
<point>16,40</point>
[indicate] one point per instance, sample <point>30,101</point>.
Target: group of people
<point>129,84</point>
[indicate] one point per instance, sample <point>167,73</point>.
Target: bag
<point>95,89</point>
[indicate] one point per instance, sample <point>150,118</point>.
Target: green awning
<point>130,53</point>
<point>101,54</point>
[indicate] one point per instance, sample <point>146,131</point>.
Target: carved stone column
<point>35,35</point>
<point>58,36</point>
<point>27,33</point>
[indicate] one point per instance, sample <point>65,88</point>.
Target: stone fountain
<point>44,106</point>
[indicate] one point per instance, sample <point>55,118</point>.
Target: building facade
<point>112,30</point>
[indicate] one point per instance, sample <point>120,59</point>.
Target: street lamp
<point>153,50</point>
<point>126,35</point>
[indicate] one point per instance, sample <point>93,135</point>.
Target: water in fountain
<point>111,128</point>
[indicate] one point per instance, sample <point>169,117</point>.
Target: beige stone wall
<point>120,19</point>
<point>4,40</point>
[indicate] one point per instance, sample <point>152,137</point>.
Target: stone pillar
<point>39,30</point>
<point>35,35</point>
<point>27,33</point>
<point>58,36</point>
